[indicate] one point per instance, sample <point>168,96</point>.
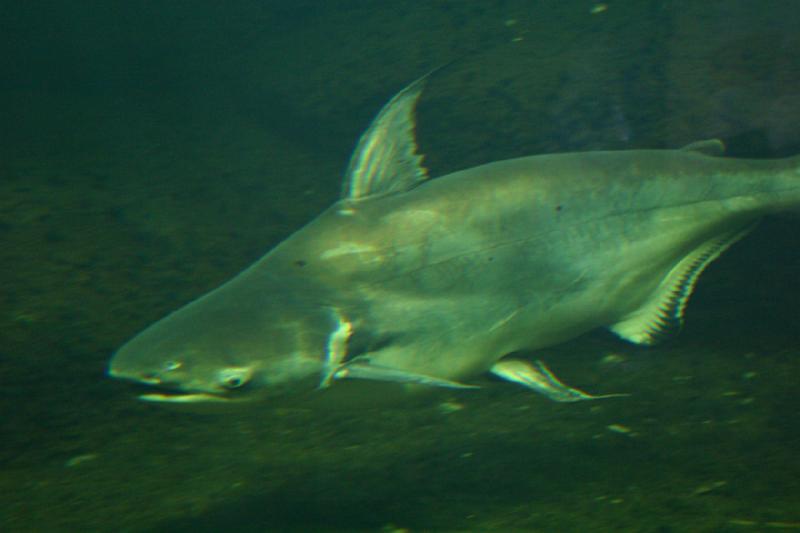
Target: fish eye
<point>171,365</point>
<point>233,382</point>
<point>233,378</point>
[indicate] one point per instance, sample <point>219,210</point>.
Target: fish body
<point>436,281</point>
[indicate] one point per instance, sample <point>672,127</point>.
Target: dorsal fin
<point>385,159</point>
<point>663,311</point>
<point>712,147</point>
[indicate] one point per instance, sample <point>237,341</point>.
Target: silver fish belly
<point>433,282</point>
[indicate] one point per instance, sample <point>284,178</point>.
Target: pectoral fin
<point>538,377</point>
<point>336,350</point>
<point>364,369</point>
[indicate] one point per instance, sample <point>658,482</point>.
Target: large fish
<point>435,282</point>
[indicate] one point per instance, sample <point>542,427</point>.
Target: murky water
<point>151,152</point>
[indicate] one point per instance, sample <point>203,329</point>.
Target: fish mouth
<point>186,397</point>
<point>171,393</point>
<point>147,393</point>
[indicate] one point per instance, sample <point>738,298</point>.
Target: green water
<point>148,152</point>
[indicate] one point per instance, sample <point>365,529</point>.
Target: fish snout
<point>147,377</point>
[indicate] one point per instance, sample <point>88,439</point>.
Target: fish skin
<point>440,282</point>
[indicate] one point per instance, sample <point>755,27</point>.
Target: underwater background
<point>151,150</point>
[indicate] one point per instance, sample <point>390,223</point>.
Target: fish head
<point>236,343</point>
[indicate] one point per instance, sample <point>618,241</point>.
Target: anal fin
<point>663,311</point>
<point>710,147</point>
